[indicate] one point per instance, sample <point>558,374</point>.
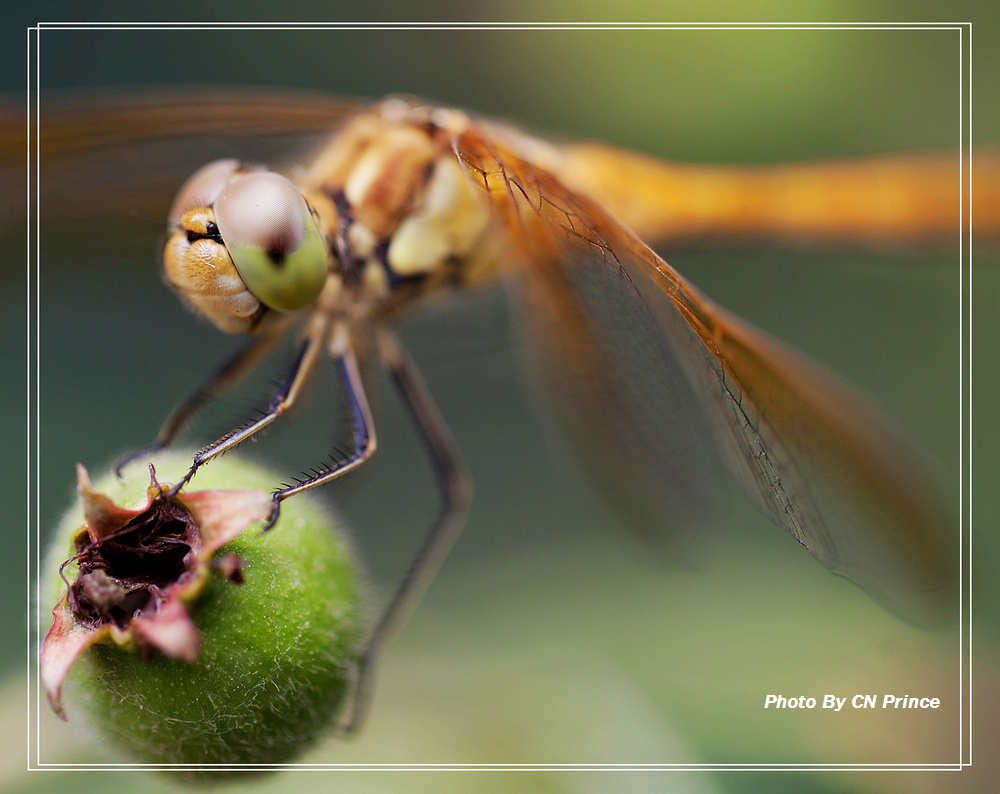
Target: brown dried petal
<point>170,630</point>
<point>102,516</point>
<point>222,515</point>
<point>63,643</point>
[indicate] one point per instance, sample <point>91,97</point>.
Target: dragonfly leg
<point>283,399</point>
<point>363,432</point>
<point>220,380</point>
<point>456,495</point>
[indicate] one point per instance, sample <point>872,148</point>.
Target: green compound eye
<point>273,240</point>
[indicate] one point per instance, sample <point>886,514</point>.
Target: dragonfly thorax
<point>398,208</point>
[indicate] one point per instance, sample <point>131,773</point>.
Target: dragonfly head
<point>243,242</point>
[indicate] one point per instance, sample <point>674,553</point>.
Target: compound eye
<point>273,239</point>
<point>202,188</point>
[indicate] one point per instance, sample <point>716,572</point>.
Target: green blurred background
<point>548,637</point>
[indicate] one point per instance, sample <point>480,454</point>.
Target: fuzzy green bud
<point>248,653</point>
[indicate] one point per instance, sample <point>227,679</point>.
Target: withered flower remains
<point>137,571</point>
<point>184,635</point>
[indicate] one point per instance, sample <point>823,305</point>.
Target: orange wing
<point>659,387</point>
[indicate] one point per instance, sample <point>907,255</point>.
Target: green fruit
<point>277,652</point>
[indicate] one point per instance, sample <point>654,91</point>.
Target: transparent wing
<point>100,154</point>
<point>657,383</point>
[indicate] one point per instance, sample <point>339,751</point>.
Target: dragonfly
<point>663,394</point>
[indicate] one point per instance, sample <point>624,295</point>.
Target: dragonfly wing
<point>114,155</point>
<point>619,389</point>
<point>810,453</point>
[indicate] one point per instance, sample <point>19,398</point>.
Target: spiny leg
<point>456,494</point>
<point>362,425</point>
<point>283,399</point>
<point>220,380</point>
